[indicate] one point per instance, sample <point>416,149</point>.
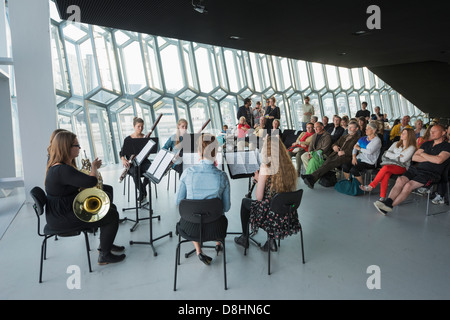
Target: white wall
<point>30,37</point>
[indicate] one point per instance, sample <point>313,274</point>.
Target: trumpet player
<point>62,183</point>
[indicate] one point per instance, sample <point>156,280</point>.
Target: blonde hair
<point>54,133</point>
<point>207,146</point>
<point>60,149</point>
<point>179,123</point>
<point>279,165</point>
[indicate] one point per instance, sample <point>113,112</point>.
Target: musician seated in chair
<point>205,181</point>
<point>138,125</point>
<point>277,174</point>
<point>62,184</point>
<point>174,143</point>
<point>106,187</point>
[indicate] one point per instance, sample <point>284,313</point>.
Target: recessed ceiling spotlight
<point>199,6</point>
<point>360,33</point>
<point>235,38</point>
<point>342,53</point>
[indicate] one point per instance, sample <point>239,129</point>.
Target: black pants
<point>145,165</point>
<point>356,170</point>
<point>245,215</point>
<point>108,225</point>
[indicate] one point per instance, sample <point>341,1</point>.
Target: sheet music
<point>144,152</point>
<point>167,160</point>
<point>243,162</point>
<point>156,161</point>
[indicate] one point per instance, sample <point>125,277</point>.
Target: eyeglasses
<point>76,145</point>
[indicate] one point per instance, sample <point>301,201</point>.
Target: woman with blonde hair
<point>396,160</point>
<point>62,184</point>
<point>174,143</point>
<point>277,174</point>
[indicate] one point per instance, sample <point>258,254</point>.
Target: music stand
<point>241,165</point>
<point>142,148</point>
<point>155,173</point>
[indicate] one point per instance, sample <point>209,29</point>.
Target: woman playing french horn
<point>62,183</point>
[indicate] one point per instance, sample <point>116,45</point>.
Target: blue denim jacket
<point>204,181</point>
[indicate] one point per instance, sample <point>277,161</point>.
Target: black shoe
<point>270,244</point>
<point>308,180</point>
<point>106,258</point>
<point>242,241</point>
<point>204,258</point>
<point>219,248</point>
<point>142,195</point>
<point>114,249</point>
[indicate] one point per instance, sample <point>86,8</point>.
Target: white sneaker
<point>438,199</point>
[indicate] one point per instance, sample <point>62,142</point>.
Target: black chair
<point>285,204</point>
<point>40,200</point>
<point>211,224</point>
<point>289,137</point>
<point>445,184</point>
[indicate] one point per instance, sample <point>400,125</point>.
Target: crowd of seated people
<point>354,145</point>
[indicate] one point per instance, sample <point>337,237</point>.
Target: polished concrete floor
<point>351,251</point>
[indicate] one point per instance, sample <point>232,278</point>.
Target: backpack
<point>349,187</point>
<point>328,179</point>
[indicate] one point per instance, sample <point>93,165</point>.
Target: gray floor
<point>343,237</point>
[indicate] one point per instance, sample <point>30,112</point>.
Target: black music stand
<point>241,165</point>
<point>142,148</point>
<point>157,170</point>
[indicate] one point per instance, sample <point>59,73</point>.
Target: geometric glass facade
<point>104,77</point>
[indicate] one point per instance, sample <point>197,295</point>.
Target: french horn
<point>91,205</point>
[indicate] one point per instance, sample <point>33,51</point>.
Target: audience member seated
<point>395,131</point>
<point>362,122</point>
<point>425,137</point>
<point>314,119</point>
<point>365,154</point>
<point>342,154</point>
<point>336,131</point>
<point>260,130</point>
<point>301,145</point>
<point>419,129</point>
<point>377,115</point>
<point>396,161</point>
<point>276,129</point>
<point>344,124</point>
<point>243,129</point>
<point>432,158</point>
<point>326,123</point>
<point>321,140</point>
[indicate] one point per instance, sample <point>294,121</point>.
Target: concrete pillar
<point>30,37</point>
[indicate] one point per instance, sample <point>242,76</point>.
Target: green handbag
<point>349,187</point>
<point>315,162</point>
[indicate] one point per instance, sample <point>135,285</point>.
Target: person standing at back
<point>308,111</point>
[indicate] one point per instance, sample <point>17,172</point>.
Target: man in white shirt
<point>308,111</point>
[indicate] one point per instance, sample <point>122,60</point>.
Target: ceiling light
<point>360,33</point>
<point>199,6</point>
<point>235,38</point>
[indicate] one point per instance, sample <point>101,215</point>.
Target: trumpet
<point>91,205</point>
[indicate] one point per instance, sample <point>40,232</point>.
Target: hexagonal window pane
<point>199,109</point>
<point>219,93</point>
<point>328,106</point>
<point>228,109</point>
<point>103,97</point>
<point>134,68</point>
<point>187,94</point>
<point>344,75</point>
<point>170,61</point>
<point>206,68</point>
<point>150,96</point>
<point>319,80</point>
<point>332,77</point>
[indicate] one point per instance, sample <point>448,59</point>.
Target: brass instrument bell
<point>91,205</point>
